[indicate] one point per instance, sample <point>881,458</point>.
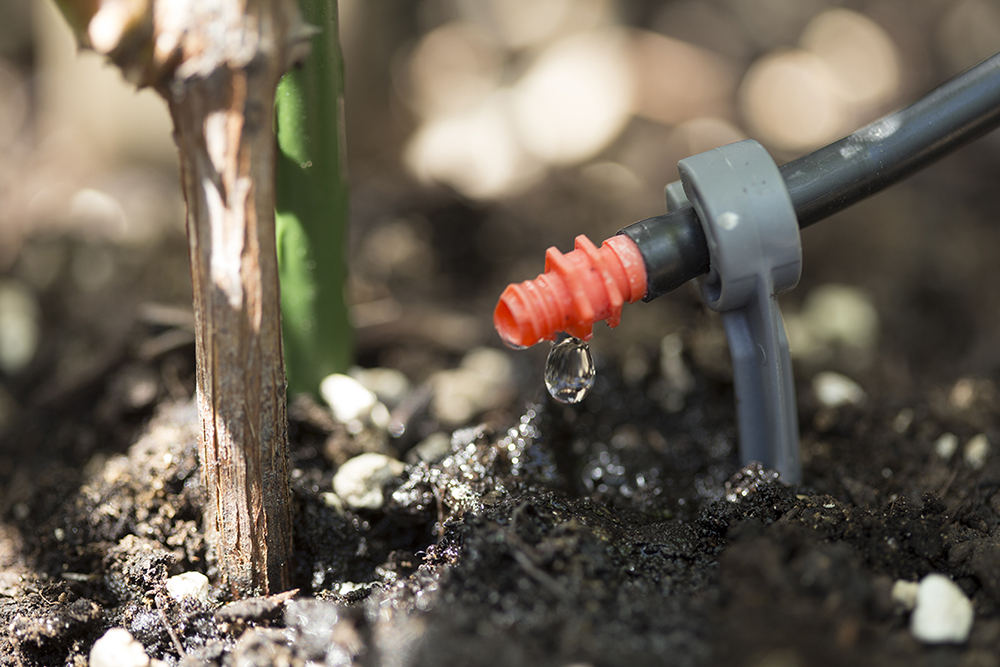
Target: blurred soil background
<point>619,531</point>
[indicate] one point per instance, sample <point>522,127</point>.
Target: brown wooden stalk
<point>217,63</point>
<point>223,128</point>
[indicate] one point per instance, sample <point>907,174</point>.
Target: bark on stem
<point>223,125</point>
<point>223,128</point>
<point>217,63</point>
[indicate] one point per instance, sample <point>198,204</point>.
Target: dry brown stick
<point>217,63</point>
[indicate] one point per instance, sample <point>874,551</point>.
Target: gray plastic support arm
<point>755,254</point>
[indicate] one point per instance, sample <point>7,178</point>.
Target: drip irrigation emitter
<point>734,219</point>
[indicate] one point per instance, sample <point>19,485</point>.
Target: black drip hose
<point>832,178</point>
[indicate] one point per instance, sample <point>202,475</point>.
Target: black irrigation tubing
<point>832,178</point>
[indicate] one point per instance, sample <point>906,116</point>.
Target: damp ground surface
<point>618,531</point>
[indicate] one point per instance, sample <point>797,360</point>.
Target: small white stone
<point>347,398</point>
<point>456,395</point>
<point>942,614</point>
<point>188,585</point>
<point>388,384</point>
<point>904,593</point>
<point>842,314</point>
<point>976,451</point>
<point>360,481</point>
<point>348,587</point>
<point>380,417</point>
<point>489,363</point>
<point>20,318</point>
<point>117,648</point>
<point>483,381</point>
<point>903,420</point>
<point>946,446</point>
<point>834,390</point>
<point>963,394</point>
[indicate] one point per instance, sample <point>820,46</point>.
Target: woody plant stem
<point>217,64</point>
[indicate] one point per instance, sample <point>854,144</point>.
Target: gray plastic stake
<point>753,241</point>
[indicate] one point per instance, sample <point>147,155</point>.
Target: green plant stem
<point>312,208</point>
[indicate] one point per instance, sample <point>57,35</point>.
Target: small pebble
<point>903,420</point>
<point>188,585</point>
<point>20,318</point>
<point>117,648</point>
<point>962,394</point>
<point>348,587</point>
<point>360,481</point>
<point>904,593</point>
<point>489,362</point>
<point>389,385</point>
<point>976,451</point>
<point>347,398</point>
<point>835,390</point>
<point>483,381</point>
<point>946,446</point>
<point>942,613</point>
<point>842,314</point>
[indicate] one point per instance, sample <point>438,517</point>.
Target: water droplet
<point>569,370</point>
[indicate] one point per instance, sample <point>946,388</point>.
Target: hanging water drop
<point>569,370</point>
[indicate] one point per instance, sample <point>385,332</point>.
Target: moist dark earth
<point>619,531</point>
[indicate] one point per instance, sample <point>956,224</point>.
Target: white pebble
<point>456,395</point>
<point>834,390</point>
<point>976,451</point>
<point>188,585</point>
<point>842,314</point>
<point>903,420</point>
<point>388,384</point>
<point>946,446</point>
<point>904,593</point>
<point>490,363</point>
<point>117,648</point>
<point>347,398</point>
<point>19,326</point>
<point>360,481</point>
<point>943,614</point>
<point>483,381</point>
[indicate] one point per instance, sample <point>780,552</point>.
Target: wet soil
<point>620,531</point>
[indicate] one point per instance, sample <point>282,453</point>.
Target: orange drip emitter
<point>584,286</point>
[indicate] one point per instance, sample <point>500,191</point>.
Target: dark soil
<point>614,532</point>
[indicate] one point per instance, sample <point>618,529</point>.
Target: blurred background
<point>479,133</point>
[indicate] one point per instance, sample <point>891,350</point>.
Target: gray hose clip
<point>753,241</point>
